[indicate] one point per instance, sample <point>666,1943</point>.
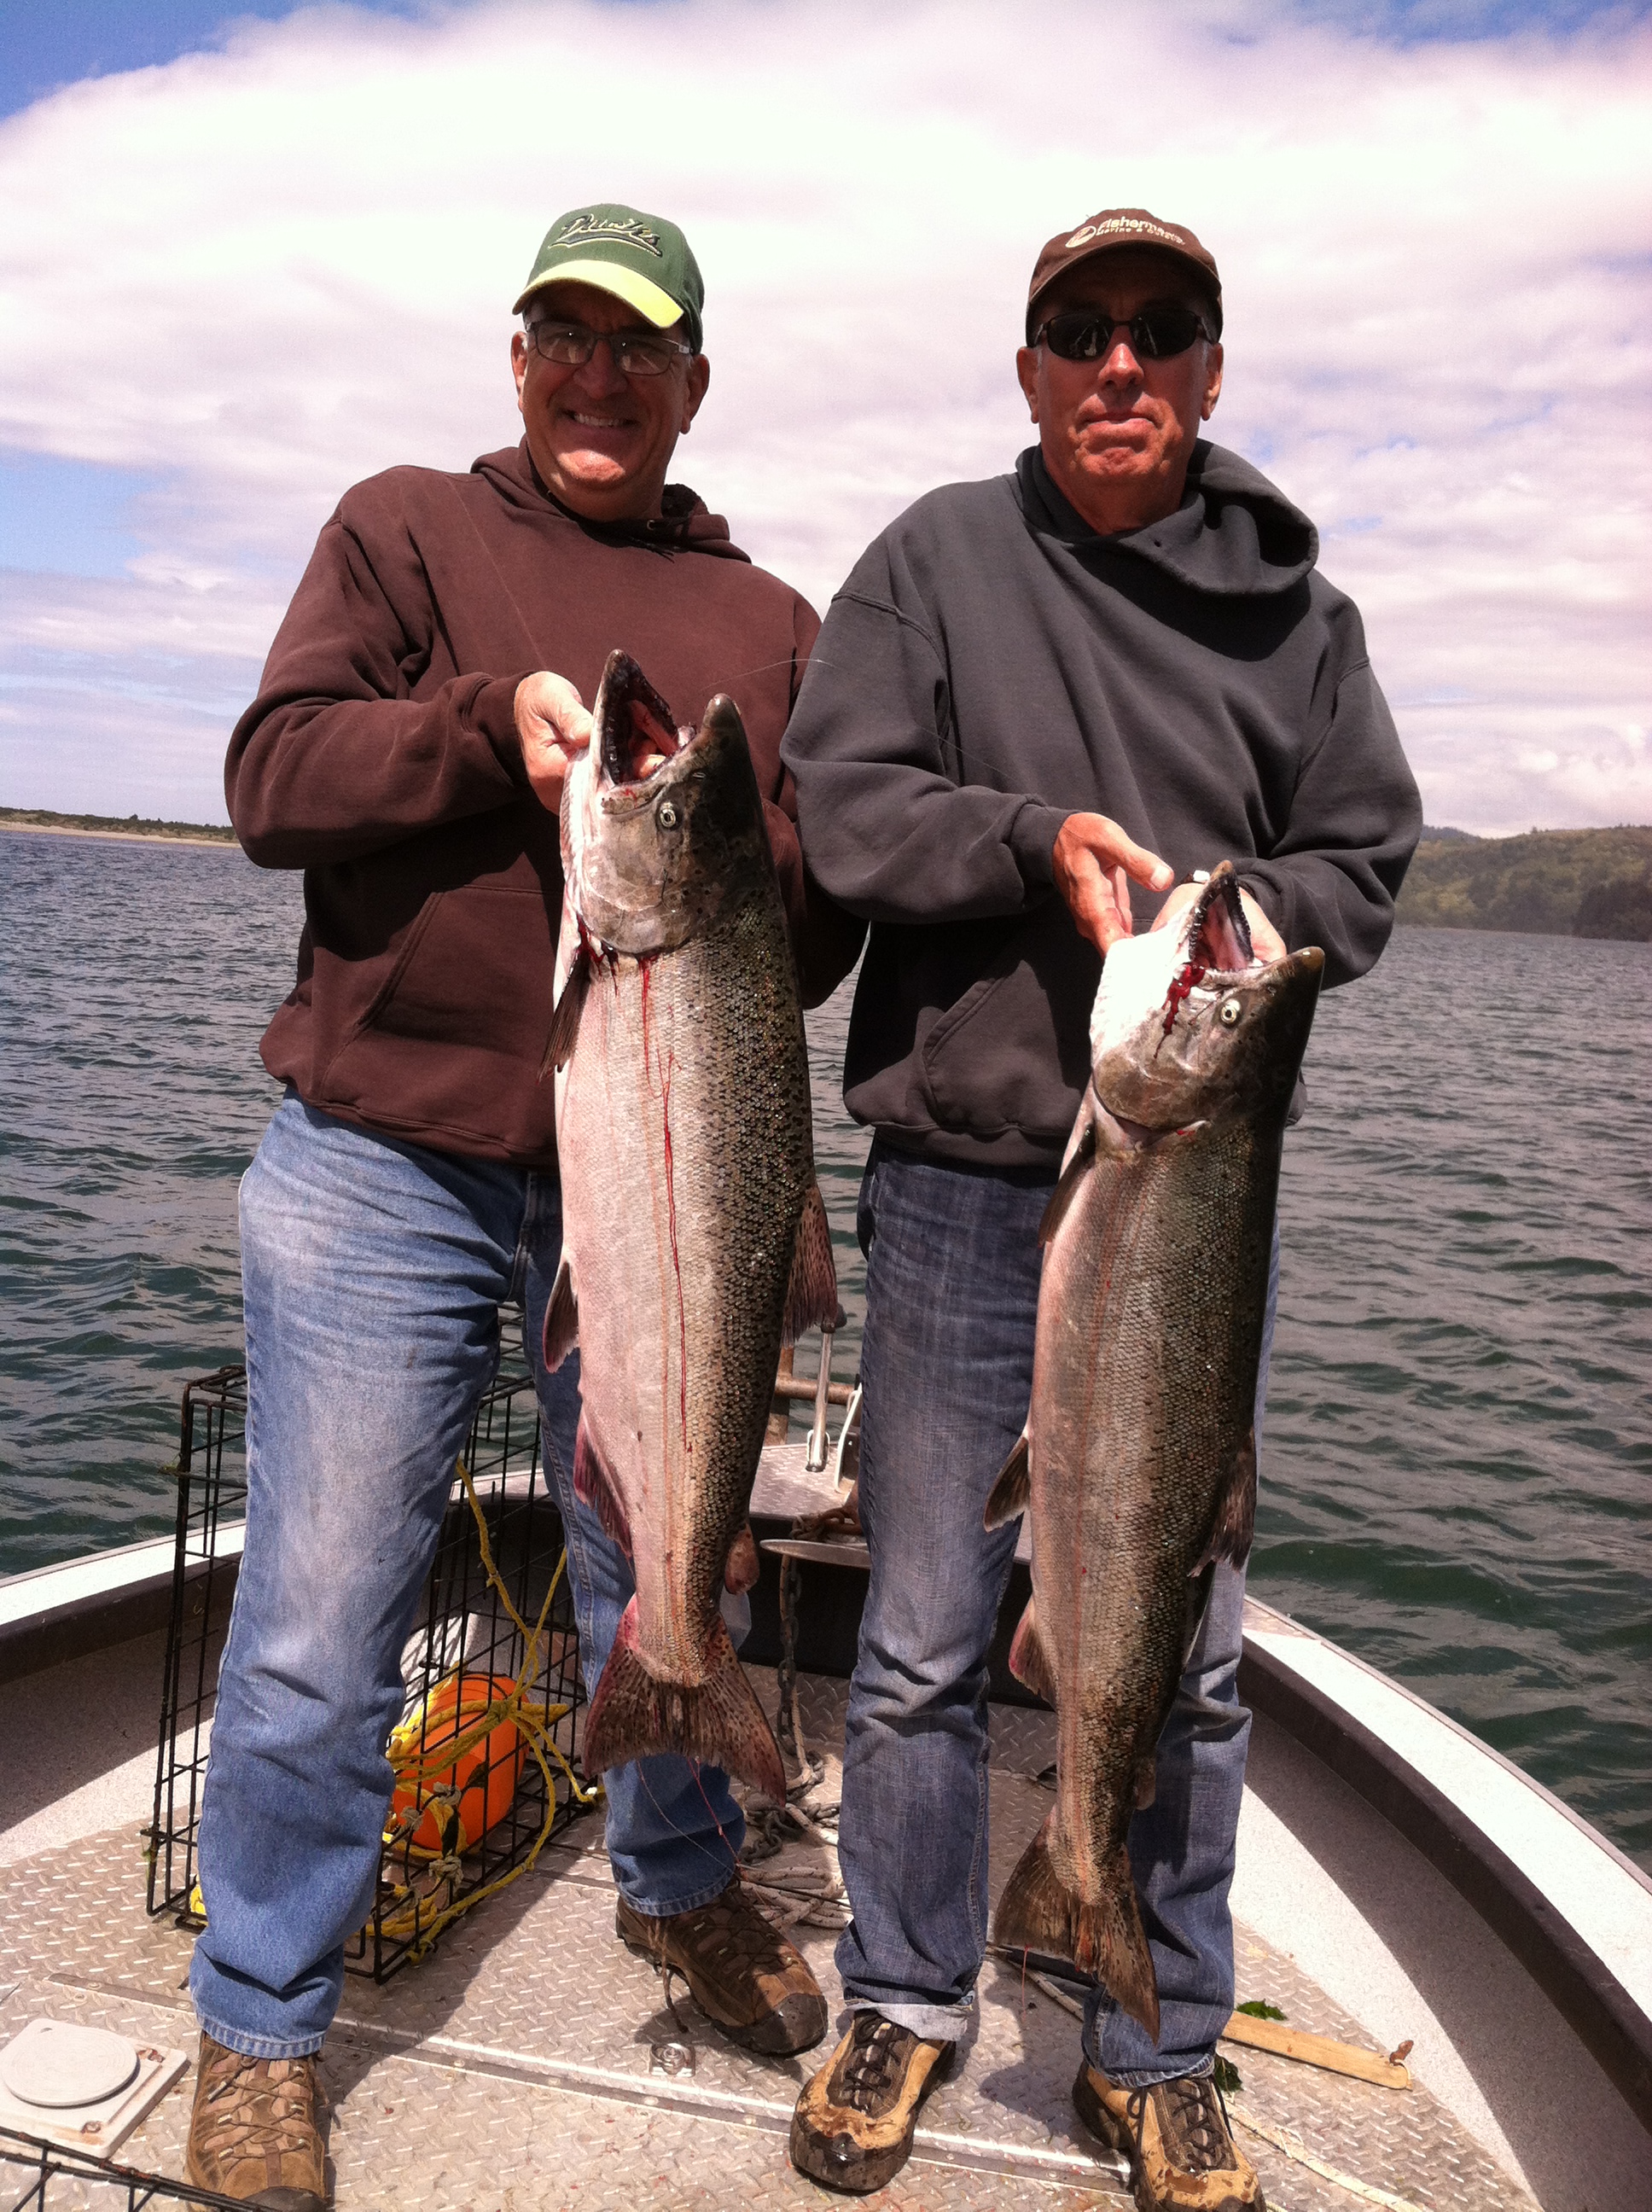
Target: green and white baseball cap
<point>640,259</point>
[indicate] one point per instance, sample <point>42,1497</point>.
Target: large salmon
<point>1138,1460</point>
<point>695,1242</point>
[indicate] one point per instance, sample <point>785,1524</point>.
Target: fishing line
<point>693,1841</point>
<point>694,1769</point>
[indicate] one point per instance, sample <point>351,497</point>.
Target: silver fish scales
<point>695,1240</point>
<point>1138,1461</point>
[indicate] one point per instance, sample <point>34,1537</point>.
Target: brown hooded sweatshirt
<point>381,756</point>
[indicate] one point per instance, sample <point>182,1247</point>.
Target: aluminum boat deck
<point>532,2062</point>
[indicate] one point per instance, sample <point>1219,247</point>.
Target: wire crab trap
<point>89,2183</point>
<point>483,1755</point>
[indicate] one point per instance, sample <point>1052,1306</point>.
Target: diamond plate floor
<point>530,2065</point>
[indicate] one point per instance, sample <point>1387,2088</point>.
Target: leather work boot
<point>854,2123</point>
<point>1175,2134</point>
<point>255,2131</point>
<point>741,1971</point>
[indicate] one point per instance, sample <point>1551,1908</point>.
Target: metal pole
<point>815,1459</point>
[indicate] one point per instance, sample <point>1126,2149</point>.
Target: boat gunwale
<point>1565,1964</point>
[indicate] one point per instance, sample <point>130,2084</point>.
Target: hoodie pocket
<point>473,976</point>
<point>1012,1052</point>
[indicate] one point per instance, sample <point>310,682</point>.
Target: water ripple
<point>1456,1466</point>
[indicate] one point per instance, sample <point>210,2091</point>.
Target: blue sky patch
<point>47,47</point>
<point>67,518</point>
<point>1425,22</point>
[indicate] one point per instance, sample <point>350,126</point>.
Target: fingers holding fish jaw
<point>552,728</point>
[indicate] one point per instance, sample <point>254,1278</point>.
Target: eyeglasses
<point>1157,333</point>
<point>636,353</point>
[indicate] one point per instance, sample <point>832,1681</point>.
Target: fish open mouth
<point>636,733</point>
<point>1217,934</point>
<point>1216,942</point>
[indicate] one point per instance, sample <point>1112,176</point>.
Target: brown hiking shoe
<point>741,1971</point>
<point>1175,2134</point>
<point>255,2133</point>
<point>854,2123</point>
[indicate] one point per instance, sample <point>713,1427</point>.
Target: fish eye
<point>666,814</point>
<point>1228,1013</point>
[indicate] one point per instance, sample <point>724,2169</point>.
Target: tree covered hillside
<point>1553,883</point>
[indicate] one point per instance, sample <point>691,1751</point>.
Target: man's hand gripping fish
<point>695,1242</point>
<point>1138,1460</point>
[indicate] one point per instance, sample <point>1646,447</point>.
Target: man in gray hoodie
<point>1037,704</point>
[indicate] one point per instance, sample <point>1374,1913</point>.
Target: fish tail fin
<point>811,1291</point>
<point>1038,1912</point>
<point>720,1721</point>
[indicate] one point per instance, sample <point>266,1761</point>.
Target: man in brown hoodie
<point>407,750</point>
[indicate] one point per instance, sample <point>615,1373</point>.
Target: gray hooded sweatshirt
<point>993,666</point>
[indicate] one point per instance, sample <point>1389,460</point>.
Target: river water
<point>1456,1475</point>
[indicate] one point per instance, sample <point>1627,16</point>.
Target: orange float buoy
<point>483,1778</point>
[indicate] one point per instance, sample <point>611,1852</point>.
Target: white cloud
<point>258,274</point>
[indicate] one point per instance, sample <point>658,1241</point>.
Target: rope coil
<point>433,1771</point>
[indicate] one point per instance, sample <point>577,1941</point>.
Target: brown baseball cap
<point>1112,230</point>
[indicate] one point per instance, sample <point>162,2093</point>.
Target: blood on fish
<point>646,966</point>
<point>1182,989</point>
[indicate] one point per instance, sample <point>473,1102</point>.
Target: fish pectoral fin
<point>717,1719</point>
<point>1011,1493</point>
<point>1235,1521</point>
<point>1029,1661</point>
<point>1081,1158</point>
<point>561,1331</point>
<point>565,1017</point>
<point>1146,1782</point>
<point>1104,1936</point>
<point>811,1291</point>
<point>593,1485</point>
<point>743,1566</point>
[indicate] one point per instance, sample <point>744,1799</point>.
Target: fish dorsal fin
<point>1080,1160</point>
<point>561,1318</point>
<point>812,1291</point>
<point>1233,1523</point>
<point>565,1020</point>
<point>1011,1493</point>
<point>1029,1663</point>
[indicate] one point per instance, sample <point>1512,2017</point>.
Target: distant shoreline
<point>34,821</point>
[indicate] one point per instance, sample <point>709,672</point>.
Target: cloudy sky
<point>250,258</point>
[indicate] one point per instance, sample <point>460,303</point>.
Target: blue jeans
<point>373,1271</point>
<point>952,1266</point>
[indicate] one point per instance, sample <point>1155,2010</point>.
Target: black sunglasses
<point>1155,334</point>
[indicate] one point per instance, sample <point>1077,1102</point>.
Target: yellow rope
<point>533,1721</point>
